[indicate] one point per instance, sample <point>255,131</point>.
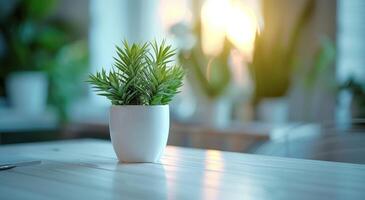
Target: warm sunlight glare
<point>213,17</point>
<point>241,28</point>
<point>214,160</point>
<point>233,19</point>
<point>214,164</point>
<point>173,12</point>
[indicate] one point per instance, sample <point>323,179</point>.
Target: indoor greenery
<point>29,36</point>
<point>357,88</point>
<point>211,74</point>
<point>142,74</point>
<point>34,38</point>
<point>273,63</point>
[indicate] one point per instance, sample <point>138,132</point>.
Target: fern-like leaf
<point>141,75</point>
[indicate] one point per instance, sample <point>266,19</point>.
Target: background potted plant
<point>140,85</point>
<point>211,79</point>
<point>40,57</point>
<point>273,62</point>
<point>31,40</point>
<point>355,90</point>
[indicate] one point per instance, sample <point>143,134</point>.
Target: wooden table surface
<point>88,169</point>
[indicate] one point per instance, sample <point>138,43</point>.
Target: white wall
<point>111,21</point>
<point>351,40</point>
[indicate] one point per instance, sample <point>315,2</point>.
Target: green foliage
<point>323,58</point>
<point>211,74</point>
<point>140,76</point>
<point>357,88</point>
<point>32,38</point>
<point>273,59</point>
<point>67,75</point>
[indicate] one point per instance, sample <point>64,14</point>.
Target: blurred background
<point>272,77</point>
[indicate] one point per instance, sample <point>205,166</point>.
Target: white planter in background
<point>28,92</point>
<point>139,133</point>
<point>273,110</point>
<point>219,112</point>
<point>215,112</point>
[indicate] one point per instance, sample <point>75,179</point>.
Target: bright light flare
<point>241,28</point>
<point>214,17</point>
<point>232,19</point>
<point>174,11</point>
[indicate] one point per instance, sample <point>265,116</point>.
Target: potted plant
<point>273,62</point>
<point>140,85</point>
<point>212,80</point>
<point>30,39</point>
<point>351,100</point>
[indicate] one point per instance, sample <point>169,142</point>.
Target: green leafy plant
<point>357,88</point>
<point>30,36</point>
<point>323,59</point>
<point>143,74</point>
<point>34,38</point>
<point>211,75</point>
<point>273,63</point>
<point>67,76</point>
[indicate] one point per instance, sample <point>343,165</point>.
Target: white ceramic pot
<point>139,133</point>
<point>27,92</point>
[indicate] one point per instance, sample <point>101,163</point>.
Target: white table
<point>88,169</point>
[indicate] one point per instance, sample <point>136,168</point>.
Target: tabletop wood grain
<point>88,169</point>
